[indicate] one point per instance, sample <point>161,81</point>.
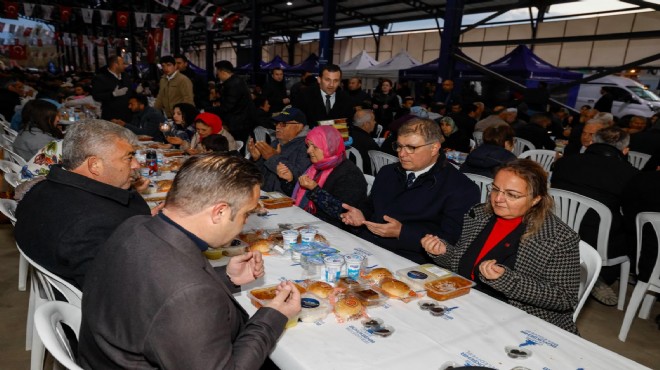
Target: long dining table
<point>476,329</point>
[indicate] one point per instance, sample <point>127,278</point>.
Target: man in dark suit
<point>364,123</point>
<point>154,301</point>
<point>200,86</point>
<point>236,108</point>
<point>275,91</point>
<point>327,102</point>
<point>112,88</point>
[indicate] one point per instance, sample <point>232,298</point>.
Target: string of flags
<point>200,9</point>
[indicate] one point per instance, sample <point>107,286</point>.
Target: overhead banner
<point>140,19</point>
<point>88,15</point>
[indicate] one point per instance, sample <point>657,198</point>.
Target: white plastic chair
<point>379,130</point>
<point>590,264</point>
<point>482,182</point>
<point>11,132</point>
<point>15,157</point>
<point>380,159</point>
<point>473,144</point>
<point>239,145</point>
<point>638,159</point>
<point>260,133</point>
<point>13,179</point>
<point>8,208</point>
<point>521,145</point>
<point>571,207</point>
<point>41,290</point>
<point>8,139</point>
<point>48,319</point>
<point>358,157</point>
<point>642,289</point>
<point>370,182</point>
<point>541,156</point>
<point>9,167</point>
<point>478,138</point>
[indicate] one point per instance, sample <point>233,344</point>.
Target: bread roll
<point>164,185</point>
<point>320,288</point>
<point>378,274</point>
<point>348,308</point>
<point>261,245</point>
<point>395,288</point>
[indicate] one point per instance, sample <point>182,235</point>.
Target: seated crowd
<point>424,207</point>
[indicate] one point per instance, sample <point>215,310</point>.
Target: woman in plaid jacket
<point>516,249</point>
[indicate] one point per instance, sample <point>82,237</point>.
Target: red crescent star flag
<point>17,52</point>
<point>11,10</point>
<point>170,20</point>
<point>65,13</point>
<point>122,19</point>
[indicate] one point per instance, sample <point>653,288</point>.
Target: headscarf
<point>450,122</point>
<point>328,139</point>
<point>210,120</point>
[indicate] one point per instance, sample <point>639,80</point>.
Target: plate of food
<point>145,138</point>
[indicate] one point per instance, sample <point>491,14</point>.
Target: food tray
<point>261,296</point>
<point>448,287</point>
<point>417,276</point>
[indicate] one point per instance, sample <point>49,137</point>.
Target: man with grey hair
<point>364,123</point>
<point>63,220</point>
<point>600,173</point>
<point>586,137</point>
<point>421,194</point>
<point>174,292</point>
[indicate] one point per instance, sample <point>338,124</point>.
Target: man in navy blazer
<point>326,102</point>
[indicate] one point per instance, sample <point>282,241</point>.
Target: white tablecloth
<point>475,331</point>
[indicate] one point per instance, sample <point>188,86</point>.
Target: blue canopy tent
<point>429,71</point>
<point>277,62</point>
<point>197,69</point>
<point>311,64</point>
<point>248,67</point>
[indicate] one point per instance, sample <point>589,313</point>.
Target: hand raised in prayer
<point>390,229</point>
<point>255,154</point>
<point>434,245</point>
<point>284,172</point>
<point>353,217</point>
<point>266,150</point>
<point>245,268</point>
<point>307,183</point>
<point>491,270</point>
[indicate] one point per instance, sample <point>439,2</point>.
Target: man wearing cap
<point>500,116</point>
<point>175,88</point>
<point>289,148</point>
<point>236,108</point>
<point>327,102</point>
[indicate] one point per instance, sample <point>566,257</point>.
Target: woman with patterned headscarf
<point>454,139</point>
<point>331,179</point>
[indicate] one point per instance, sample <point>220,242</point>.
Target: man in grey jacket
<point>152,300</point>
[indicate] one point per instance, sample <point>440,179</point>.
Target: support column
<point>209,55</point>
<point>176,38</point>
<point>450,36</point>
<point>132,45</point>
<point>327,33</point>
<point>291,48</point>
<point>255,35</point>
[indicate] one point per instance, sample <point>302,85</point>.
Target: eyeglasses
<point>508,194</point>
<point>409,149</point>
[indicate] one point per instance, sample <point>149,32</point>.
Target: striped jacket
<point>546,278</point>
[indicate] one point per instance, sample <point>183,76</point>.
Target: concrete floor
<point>597,323</point>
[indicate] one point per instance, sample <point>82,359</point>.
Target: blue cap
<point>289,114</point>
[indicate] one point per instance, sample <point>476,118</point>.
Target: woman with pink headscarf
<point>331,179</point>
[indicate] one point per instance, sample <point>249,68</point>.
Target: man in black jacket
<point>275,91</point>
<point>200,86</point>
<point>364,123</point>
<point>326,102</point>
<point>236,108</point>
<point>536,131</point>
<point>112,88</point>
<point>600,173</point>
<point>359,97</point>
<point>64,219</point>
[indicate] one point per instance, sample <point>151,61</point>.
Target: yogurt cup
<point>333,268</point>
<point>353,265</point>
<point>307,235</point>
<point>289,237</point>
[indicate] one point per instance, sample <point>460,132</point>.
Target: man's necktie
<point>411,179</point>
<point>327,104</point>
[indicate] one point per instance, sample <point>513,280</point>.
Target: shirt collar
<point>420,172</point>
<point>117,76</point>
<point>170,77</point>
<point>202,245</point>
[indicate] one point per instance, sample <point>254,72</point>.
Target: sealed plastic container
<point>313,308</point>
<point>448,287</point>
<point>417,276</point>
<point>369,297</point>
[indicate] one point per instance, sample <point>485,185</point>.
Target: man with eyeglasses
<point>289,148</point>
<point>422,194</point>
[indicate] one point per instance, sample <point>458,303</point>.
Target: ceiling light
<point>288,3</point>
<point>219,19</point>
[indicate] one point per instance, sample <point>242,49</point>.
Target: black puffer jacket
<point>484,159</point>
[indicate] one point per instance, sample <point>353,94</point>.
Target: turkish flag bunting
<point>11,10</point>
<point>170,20</point>
<point>65,13</point>
<point>17,52</point>
<point>122,19</point>
<point>27,32</point>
